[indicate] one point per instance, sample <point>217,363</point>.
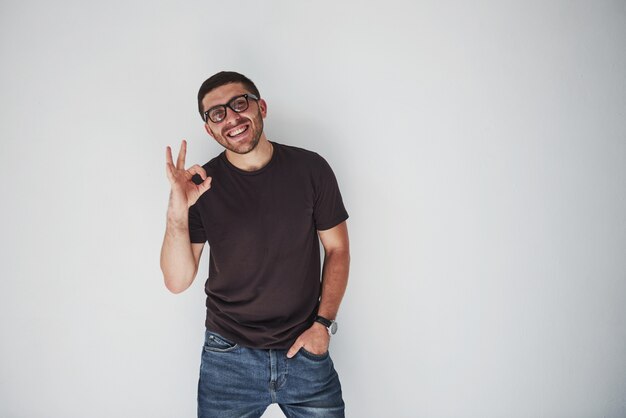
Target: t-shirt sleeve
<point>328,210</point>
<point>196,229</point>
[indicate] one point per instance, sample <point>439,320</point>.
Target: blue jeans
<point>241,382</point>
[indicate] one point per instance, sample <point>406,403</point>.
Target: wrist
<point>329,324</point>
<point>176,221</point>
<point>319,326</point>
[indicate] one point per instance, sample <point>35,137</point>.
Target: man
<point>263,208</point>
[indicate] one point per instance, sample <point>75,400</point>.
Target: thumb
<point>295,348</point>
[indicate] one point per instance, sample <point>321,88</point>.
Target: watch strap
<point>324,321</point>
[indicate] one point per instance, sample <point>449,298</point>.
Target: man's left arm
<point>334,281</point>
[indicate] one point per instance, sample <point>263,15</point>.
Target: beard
<point>256,125</point>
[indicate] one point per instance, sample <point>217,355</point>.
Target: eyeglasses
<point>238,104</point>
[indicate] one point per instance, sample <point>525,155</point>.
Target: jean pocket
<point>316,357</point>
<point>216,343</point>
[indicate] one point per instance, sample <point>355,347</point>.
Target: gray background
<point>480,148</point>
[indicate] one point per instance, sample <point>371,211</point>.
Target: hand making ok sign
<point>184,191</point>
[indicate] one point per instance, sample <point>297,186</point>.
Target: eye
<point>217,113</point>
<point>239,104</point>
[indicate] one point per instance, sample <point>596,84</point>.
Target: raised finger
<point>180,162</point>
<point>168,155</point>
<point>169,170</point>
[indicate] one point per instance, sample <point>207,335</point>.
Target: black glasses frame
<point>230,106</point>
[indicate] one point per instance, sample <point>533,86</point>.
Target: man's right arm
<point>179,257</point>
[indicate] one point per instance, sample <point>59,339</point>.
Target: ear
<point>208,130</point>
<point>263,107</point>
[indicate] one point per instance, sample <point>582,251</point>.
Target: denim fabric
<point>241,382</point>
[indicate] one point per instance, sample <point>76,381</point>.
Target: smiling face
<point>238,132</point>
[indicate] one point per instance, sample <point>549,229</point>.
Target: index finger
<point>180,162</point>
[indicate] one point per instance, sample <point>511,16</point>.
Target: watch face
<point>333,327</point>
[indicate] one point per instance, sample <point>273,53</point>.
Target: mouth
<point>237,131</point>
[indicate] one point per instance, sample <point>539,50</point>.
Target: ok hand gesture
<point>184,191</point>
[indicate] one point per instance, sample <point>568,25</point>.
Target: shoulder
<point>301,156</point>
<point>213,165</point>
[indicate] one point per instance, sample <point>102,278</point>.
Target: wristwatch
<point>328,323</point>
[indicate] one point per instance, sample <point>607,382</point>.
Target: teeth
<point>237,131</point>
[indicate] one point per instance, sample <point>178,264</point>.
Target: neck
<point>255,159</point>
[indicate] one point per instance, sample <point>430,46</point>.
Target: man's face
<point>238,132</point>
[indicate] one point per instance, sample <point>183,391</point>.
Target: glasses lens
<point>239,104</point>
<point>217,114</point>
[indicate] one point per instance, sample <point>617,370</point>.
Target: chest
<point>247,208</point>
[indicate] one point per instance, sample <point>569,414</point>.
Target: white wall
<point>481,151</point>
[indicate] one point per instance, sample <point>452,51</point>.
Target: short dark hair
<point>220,79</point>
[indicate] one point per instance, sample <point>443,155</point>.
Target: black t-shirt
<point>264,286</point>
